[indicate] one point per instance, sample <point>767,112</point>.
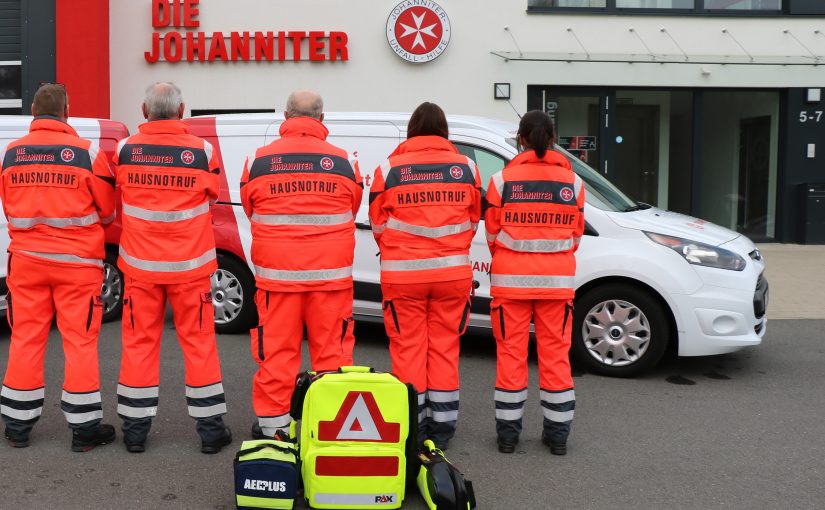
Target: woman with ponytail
<point>534,223</point>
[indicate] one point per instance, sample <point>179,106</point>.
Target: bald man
<point>301,194</point>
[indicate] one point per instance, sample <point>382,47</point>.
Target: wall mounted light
<point>501,91</point>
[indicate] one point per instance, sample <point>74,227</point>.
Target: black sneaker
<point>506,446</point>
<point>84,440</point>
<point>217,445</point>
<point>17,440</point>
<point>134,445</point>
<point>555,448</point>
<point>257,433</point>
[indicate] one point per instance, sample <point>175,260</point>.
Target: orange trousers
<point>424,322</point>
<point>38,289</point>
<point>553,319</point>
<point>276,346</point>
<point>144,306</point>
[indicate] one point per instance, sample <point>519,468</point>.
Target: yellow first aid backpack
<point>357,435</point>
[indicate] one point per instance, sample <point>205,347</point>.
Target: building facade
<point>712,108</point>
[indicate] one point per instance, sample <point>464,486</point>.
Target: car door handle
<point>363,226</point>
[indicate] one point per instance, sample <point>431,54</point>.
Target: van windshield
<point>600,192</point>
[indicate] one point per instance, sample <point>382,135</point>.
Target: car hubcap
<point>616,333</point>
<point>227,296</point>
<point>112,287</point>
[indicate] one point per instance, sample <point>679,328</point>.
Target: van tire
<point>626,334</point>
<point>233,296</point>
<point>112,290</point>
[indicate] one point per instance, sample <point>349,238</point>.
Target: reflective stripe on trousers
<point>302,219</point>
<point>534,245</point>
<point>206,401</point>
<point>532,281</point>
<point>168,267</point>
<point>165,216</point>
<point>21,405</point>
<point>431,232</point>
<point>81,408</point>
<point>422,406</point>
<point>79,221</point>
<point>442,406</point>
<point>510,404</point>
<point>270,425</point>
<point>419,264</point>
<point>312,275</point>
<point>137,403</point>
<point>558,406</point>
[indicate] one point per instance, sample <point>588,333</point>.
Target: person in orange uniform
<point>301,194</point>
<point>168,179</point>
<point>57,191</point>
<point>425,204</point>
<point>534,223</point>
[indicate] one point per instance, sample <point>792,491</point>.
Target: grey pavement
<point>796,274</point>
<point>742,430</point>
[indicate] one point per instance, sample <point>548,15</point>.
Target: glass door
<point>581,118</point>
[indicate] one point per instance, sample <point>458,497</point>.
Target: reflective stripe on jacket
<point>534,224</point>
<point>301,194</point>
<point>57,189</point>
<point>425,204</point>
<point>168,178</point>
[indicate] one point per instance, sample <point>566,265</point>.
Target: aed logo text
<point>264,485</point>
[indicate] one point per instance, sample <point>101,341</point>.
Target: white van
<point>104,135</point>
<point>647,279</point>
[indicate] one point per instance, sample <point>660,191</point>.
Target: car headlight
<point>700,254</point>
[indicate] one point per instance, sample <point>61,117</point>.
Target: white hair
<point>163,99</point>
<point>305,103</point>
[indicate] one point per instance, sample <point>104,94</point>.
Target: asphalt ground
<point>743,430</point>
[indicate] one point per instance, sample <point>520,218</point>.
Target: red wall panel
<point>82,55</point>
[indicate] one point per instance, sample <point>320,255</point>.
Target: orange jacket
<point>168,179</point>
<point>301,194</point>
<point>534,224</point>
<point>425,204</point>
<point>57,190</point>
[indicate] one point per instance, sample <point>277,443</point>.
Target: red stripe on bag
<point>356,466</point>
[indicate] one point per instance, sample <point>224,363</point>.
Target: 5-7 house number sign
<point>810,116</point>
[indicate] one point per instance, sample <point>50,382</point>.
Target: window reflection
<point>744,5</point>
<point>567,3</point>
<point>656,4</point>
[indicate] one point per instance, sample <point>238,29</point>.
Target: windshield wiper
<point>641,206</point>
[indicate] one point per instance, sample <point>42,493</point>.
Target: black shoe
<point>217,445</point>
<point>555,448</point>
<point>135,446</point>
<point>17,440</point>
<point>84,440</point>
<point>506,446</point>
<point>257,433</point>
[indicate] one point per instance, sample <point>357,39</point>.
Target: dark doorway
<point>754,171</point>
<point>637,152</point>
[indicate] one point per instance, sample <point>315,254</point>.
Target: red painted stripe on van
<point>227,237</point>
<point>356,466</point>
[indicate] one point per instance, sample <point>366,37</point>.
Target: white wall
<point>461,80</point>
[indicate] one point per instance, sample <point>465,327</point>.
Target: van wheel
<point>233,296</point>
<point>619,331</point>
<point>112,291</point>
